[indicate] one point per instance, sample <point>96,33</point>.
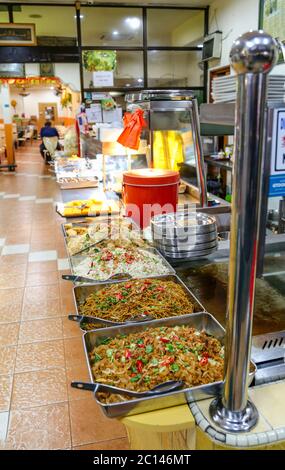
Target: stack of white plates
<point>224,89</point>
<point>184,235</point>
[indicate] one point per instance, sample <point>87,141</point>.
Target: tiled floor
<point>40,349</point>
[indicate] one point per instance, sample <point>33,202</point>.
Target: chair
<point>29,133</point>
<point>50,144</point>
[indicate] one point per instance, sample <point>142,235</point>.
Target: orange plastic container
<point>150,192</point>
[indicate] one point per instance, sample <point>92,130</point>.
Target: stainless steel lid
<point>187,256</point>
<point>179,224</point>
<point>185,246</point>
<point>156,95</point>
<point>190,239</point>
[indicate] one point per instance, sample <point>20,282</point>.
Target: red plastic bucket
<point>150,192</point>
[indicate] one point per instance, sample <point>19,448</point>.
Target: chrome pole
<point>252,56</point>
<point>199,157</point>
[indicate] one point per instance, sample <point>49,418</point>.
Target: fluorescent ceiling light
<point>115,33</point>
<point>140,80</point>
<point>200,45</point>
<point>133,22</point>
<point>81,16</point>
<point>128,84</point>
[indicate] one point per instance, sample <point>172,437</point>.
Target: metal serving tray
<point>190,239</point>
<point>172,225</point>
<point>186,246</point>
<point>95,221</point>
<point>80,293</point>
<point>201,321</point>
<point>75,260</point>
<point>187,255</point>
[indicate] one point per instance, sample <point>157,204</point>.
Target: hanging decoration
<point>66,99</point>
<point>14,104</point>
<point>29,81</point>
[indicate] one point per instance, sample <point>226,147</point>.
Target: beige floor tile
<point>12,276</point>
<point>42,292</point>
<point>9,334</point>
<point>77,374</point>
<point>41,308</point>
<point>71,328</point>
<point>44,427</point>
<point>39,388</point>
<point>74,352</point>
<point>42,278</point>
<point>40,330</point>
<point>89,425</point>
<point>114,444</point>
<point>15,270</point>
<point>10,305</point>
<point>269,400</point>
<point>66,288</point>
<point>6,382</point>
<point>13,260</point>
<point>7,359</point>
<point>43,246</point>
<point>16,237</point>
<point>39,356</point>
<point>42,267</point>
<point>67,305</point>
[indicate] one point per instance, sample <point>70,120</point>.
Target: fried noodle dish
<point>119,302</point>
<point>140,361</point>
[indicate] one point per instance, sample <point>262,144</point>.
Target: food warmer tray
<point>76,259</point>
<point>200,321</point>
<point>85,223</point>
<point>80,293</point>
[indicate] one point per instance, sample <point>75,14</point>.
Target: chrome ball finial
<point>255,51</point>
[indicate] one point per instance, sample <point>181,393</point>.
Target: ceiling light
<point>128,84</point>
<point>134,22</point>
<point>140,80</point>
<point>115,33</point>
<point>200,46</point>
<point>80,16</point>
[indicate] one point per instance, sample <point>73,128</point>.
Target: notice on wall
<point>103,79</point>
<point>97,96</point>
<point>94,113</point>
<point>277,173</point>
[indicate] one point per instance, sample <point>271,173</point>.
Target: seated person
<point>48,131</point>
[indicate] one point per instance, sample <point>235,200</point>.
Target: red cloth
<point>133,124</point>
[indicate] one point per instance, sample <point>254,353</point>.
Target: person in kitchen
<point>49,132</point>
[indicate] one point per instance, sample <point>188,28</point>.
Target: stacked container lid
<point>184,235</point>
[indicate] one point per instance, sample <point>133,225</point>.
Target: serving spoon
<point>114,277</point>
<point>165,387</point>
<point>90,319</point>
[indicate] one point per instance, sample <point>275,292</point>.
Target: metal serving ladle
<point>165,387</point>
<point>114,277</point>
<point>90,319</point>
